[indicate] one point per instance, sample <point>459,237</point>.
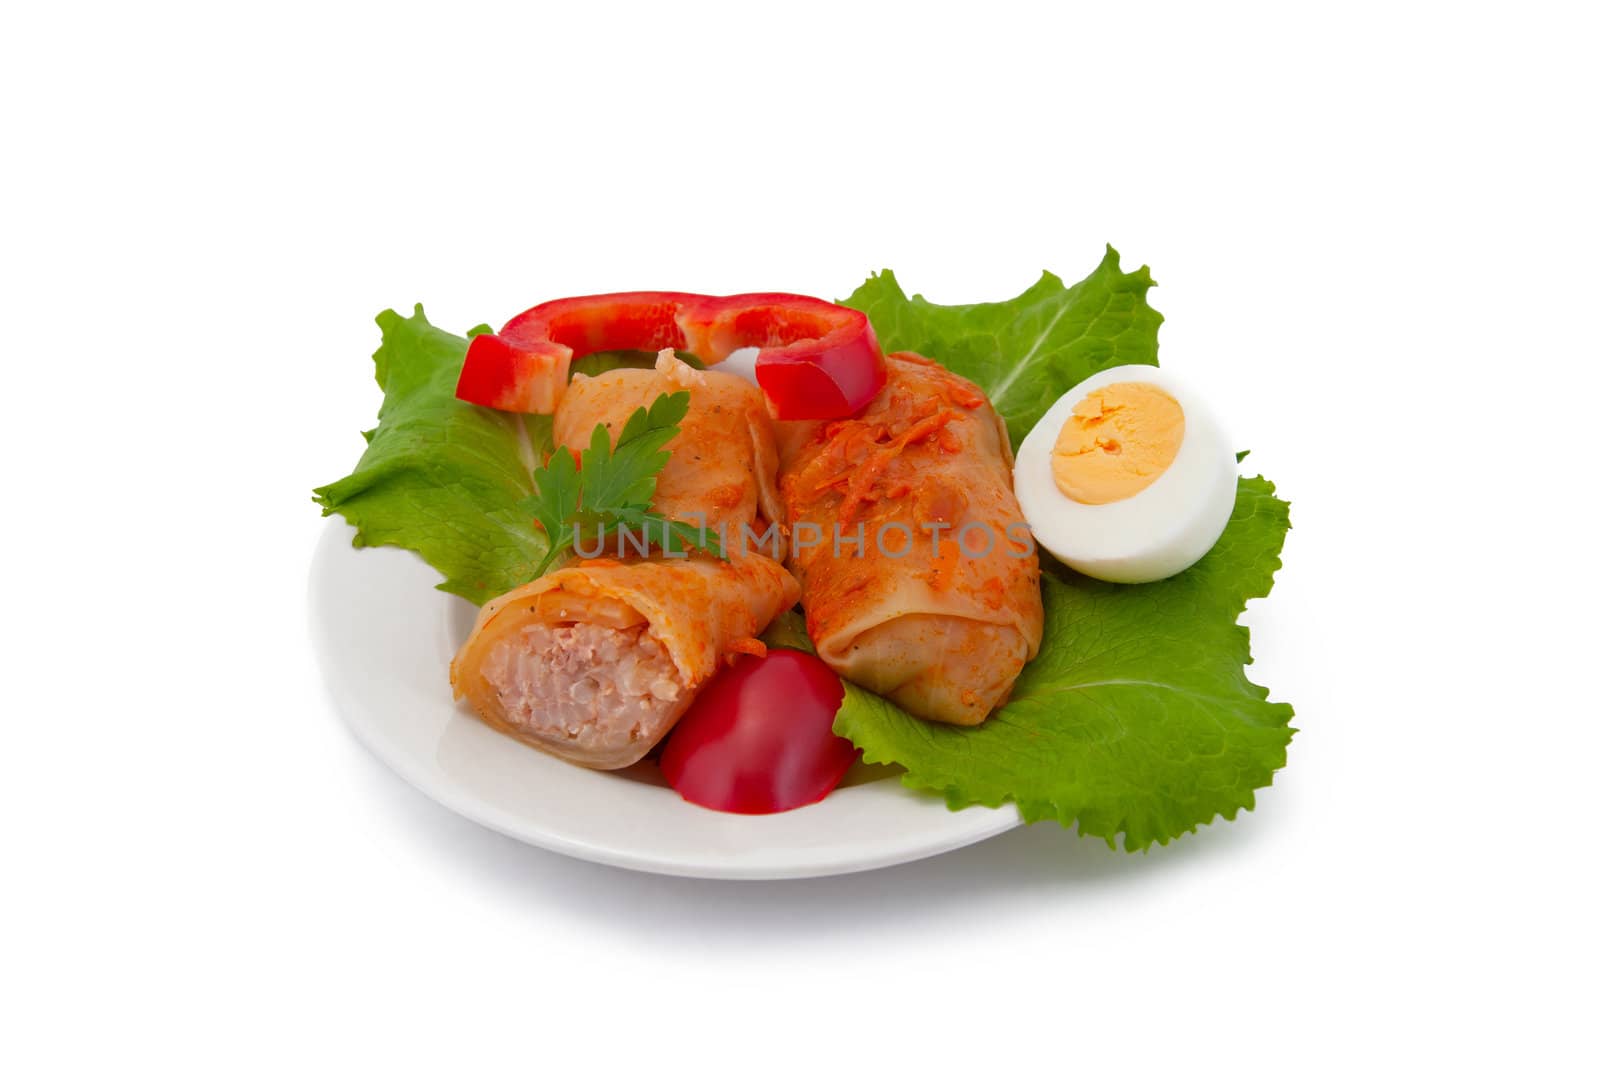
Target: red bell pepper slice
<point>818,360</point>
<point>501,374</point>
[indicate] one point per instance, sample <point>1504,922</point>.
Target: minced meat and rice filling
<point>583,680</point>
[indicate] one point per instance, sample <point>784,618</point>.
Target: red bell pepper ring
<point>818,360</point>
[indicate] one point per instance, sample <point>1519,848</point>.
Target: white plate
<point>385,636</point>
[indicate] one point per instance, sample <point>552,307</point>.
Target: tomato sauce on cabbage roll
<point>596,661</point>
<point>917,575</point>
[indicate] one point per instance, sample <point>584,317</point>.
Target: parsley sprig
<point>613,488</point>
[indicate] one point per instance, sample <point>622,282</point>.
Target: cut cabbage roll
<point>596,661</point>
<point>943,633</point>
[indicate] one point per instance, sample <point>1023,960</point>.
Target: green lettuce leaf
<point>1136,717</point>
<point>1027,352</point>
<point>442,477</point>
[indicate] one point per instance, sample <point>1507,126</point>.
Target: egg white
<point>1154,534</point>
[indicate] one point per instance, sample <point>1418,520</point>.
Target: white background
<point>1375,231</point>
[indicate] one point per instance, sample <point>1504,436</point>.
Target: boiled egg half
<point>1127,477</point>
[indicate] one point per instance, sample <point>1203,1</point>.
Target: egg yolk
<point>1118,441</point>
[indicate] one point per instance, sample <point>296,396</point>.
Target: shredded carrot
<point>826,486</point>
<point>746,645</point>
<point>925,408</point>
<point>960,394</point>
<point>860,481</point>
<point>927,426</point>
<point>834,456</point>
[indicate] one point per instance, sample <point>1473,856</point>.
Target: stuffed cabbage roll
<point>596,661</point>
<point>917,575</point>
<point>724,461</point>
